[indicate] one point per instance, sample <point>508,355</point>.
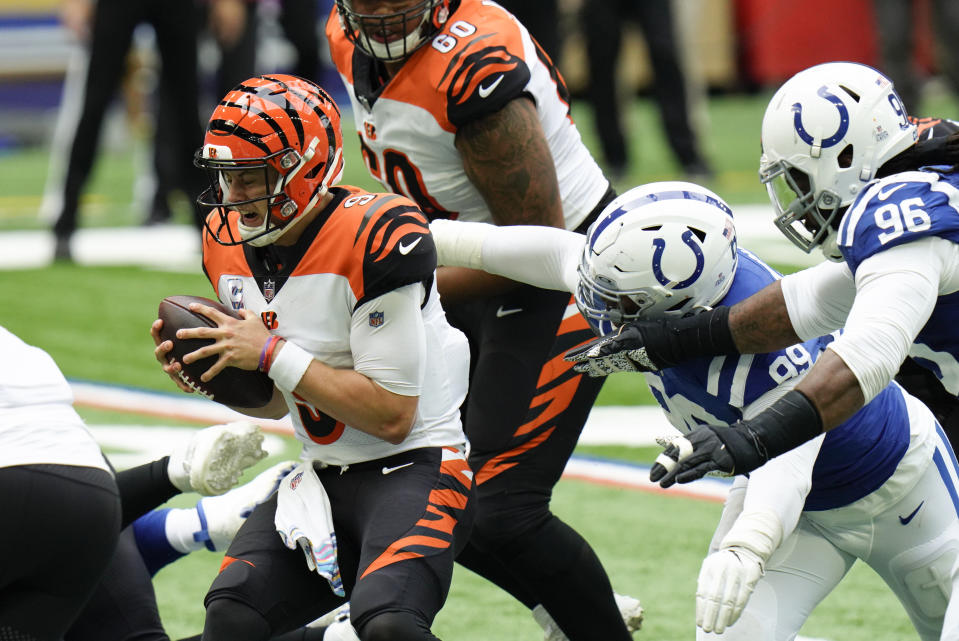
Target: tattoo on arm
<point>507,159</point>
<point>761,323</point>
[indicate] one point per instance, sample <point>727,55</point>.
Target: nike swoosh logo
<point>390,470</point>
<point>500,313</point>
<point>405,249</point>
<point>883,195</point>
<point>488,89</point>
<point>905,521</point>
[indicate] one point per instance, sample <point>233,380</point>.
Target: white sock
<point>180,527</point>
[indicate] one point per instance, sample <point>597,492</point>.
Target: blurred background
<point>643,66</point>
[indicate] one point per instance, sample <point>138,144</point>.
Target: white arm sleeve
<point>818,299</point>
<point>392,354</point>
<point>896,291</point>
<point>545,257</point>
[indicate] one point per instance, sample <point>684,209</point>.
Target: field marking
<point>607,425</point>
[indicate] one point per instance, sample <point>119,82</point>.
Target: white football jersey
<point>362,247</point>
<point>37,421</point>
<point>478,62</point>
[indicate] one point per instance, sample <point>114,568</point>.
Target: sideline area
<point>178,246</point>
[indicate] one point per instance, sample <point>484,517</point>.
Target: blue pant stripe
<point>946,478</point>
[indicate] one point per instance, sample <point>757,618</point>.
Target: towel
<point>303,520</point>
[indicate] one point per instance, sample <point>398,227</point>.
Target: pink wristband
<point>266,354</point>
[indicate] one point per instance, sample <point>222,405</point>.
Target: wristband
<point>266,354</point>
<point>674,341</point>
<point>289,366</point>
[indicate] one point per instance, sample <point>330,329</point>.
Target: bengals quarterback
<point>336,291</point>
<point>460,110</point>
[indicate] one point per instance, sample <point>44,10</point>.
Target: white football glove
<point>215,458</point>
<point>728,577</point>
<point>726,580</point>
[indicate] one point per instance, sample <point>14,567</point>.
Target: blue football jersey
<point>899,210</point>
<point>856,457</point>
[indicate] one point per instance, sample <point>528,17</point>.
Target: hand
<point>237,343</point>
<point>162,354</point>
<point>726,450</point>
<point>726,580</point>
<point>623,351</point>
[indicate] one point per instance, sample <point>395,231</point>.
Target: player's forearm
<point>833,390</point>
<point>275,409</point>
<point>760,323</point>
<point>358,401</point>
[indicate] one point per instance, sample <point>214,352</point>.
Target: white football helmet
<point>825,133</point>
<point>662,249</point>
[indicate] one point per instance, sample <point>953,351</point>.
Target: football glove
<point>726,580</point>
<point>619,352</point>
<point>742,447</point>
<point>652,345</point>
<point>728,577</point>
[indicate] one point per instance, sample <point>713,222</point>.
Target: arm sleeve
<point>781,485</point>
<point>818,299</point>
<point>393,353</point>
<point>896,291</point>
<point>544,257</point>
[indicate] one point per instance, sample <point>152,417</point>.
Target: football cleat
<point>325,621</point>
<point>222,516</point>
<point>629,608</point>
<point>215,458</point>
<point>341,630</point>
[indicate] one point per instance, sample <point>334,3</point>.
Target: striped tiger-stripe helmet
<point>287,126</point>
<point>391,31</point>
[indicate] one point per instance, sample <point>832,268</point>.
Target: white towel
<point>303,519</point>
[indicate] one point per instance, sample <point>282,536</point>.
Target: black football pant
<point>60,526</point>
<point>524,413</point>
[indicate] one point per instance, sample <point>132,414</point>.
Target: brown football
<point>233,386</point>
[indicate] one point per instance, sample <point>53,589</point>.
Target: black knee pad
<point>230,620</point>
<point>395,626</point>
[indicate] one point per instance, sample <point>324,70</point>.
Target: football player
<point>459,109</point>
<point>879,487</point>
<point>844,174</point>
<point>54,480</point>
<point>336,289</point>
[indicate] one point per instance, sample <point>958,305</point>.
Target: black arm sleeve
<point>674,341</point>
<point>144,488</point>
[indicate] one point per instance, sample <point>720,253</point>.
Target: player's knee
<point>395,626</point>
<point>504,522</point>
<point>231,620</point>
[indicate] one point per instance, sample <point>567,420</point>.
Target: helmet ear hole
<point>845,157</point>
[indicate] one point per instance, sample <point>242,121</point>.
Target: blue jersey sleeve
<point>898,210</point>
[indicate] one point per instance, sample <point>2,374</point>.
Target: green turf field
<point>95,322</point>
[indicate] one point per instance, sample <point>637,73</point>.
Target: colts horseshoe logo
<point>843,120</point>
<point>660,247</point>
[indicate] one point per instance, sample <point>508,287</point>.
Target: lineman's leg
<point>263,588</point>
<point>123,605</point>
<point>916,543</point>
<point>523,416</point>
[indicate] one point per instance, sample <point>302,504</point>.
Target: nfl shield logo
<point>269,290</point>
<point>376,319</point>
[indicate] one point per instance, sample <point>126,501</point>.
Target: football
<point>233,386</point>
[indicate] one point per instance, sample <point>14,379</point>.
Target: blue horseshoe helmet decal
<point>843,120</point>
<point>660,247</point>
